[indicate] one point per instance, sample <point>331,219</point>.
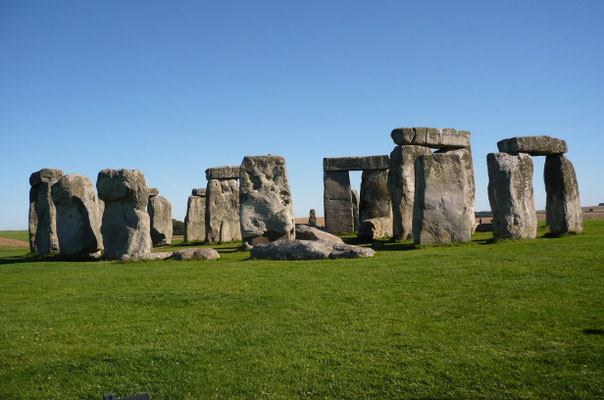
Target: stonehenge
<point>265,200</point>
<point>375,200</point>
<point>563,206</point>
<point>160,216</point>
<point>312,218</point>
<point>43,238</point>
<point>222,204</point>
<point>195,220</point>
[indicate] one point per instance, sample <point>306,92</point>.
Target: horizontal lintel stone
<point>224,172</point>
<point>356,163</point>
<point>533,145</point>
<point>431,137</point>
<point>201,192</point>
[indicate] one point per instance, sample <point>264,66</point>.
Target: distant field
<point>17,235</point>
<point>518,319</point>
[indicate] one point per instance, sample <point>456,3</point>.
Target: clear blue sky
<point>174,87</point>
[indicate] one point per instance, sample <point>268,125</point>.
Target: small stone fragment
<point>312,219</point>
<point>375,228</point>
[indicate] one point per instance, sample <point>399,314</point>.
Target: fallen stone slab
<point>533,145</point>
<point>292,250</point>
<point>357,163</point>
<point>307,232</point>
<point>563,205</point>
<point>375,228</point>
<point>203,253</point>
<point>431,137</point>
<point>224,172</point>
<point>161,255</point>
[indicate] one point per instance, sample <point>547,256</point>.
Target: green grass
<point>18,235</point>
<point>520,319</point>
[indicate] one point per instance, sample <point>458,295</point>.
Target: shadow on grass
<point>593,331</point>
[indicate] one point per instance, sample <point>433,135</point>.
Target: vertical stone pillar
<point>441,210</point>
<point>355,209</point>
<point>195,220</point>
<point>401,188</point>
<point>160,215</point>
<point>375,200</point>
<point>222,204</point>
<point>511,196</point>
<point>42,213</point>
<point>337,202</point>
<point>563,205</point>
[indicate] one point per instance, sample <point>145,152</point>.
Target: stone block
<point>563,205</point>
<point>337,202</point>
<point>431,137</point>
<point>356,163</point>
<point>533,145</point>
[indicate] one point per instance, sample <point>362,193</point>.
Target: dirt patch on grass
<point>5,242</point>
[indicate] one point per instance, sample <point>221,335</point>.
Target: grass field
<point>479,320</point>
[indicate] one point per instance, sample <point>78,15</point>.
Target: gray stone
<point>533,145</point>
<point>337,202</point>
<point>160,216</point>
<point>291,250</point>
<point>356,163</point>
<point>306,232</point>
<point>441,213</point>
<point>202,253</point>
<point>511,196</point>
<point>375,228</point>
<point>222,211</point>
<point>126,227</point>
<point>265,199</point>
<point>42,213</point>
<point>312,218</point>
<point>161,255</point>
<point>195,220</point>
<point>153,192</point>
<point>224,172</point>
<point>563,205</point>
<point>355,209</point>
<point>486,227</point>
<point>401,188</point>
<point>375,200</point>
<point>77,216</point>
<point>431,137</point>
<point>201,192</point>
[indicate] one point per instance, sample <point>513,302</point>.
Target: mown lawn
<point>478,320</point>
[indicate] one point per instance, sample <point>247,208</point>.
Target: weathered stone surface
<point>511,196</point>
<point>203,253</point>
<point>431,137</point>
<point>375,228</point>
<point>337,202</point>
<point>563,205</point>
<point>126,227</point>
<point>356,163</point>
<point>160,216</point>
<point>312,218</point>
<point>290,250</point>
<point>161,255</point>
<point>222,211</point>
<point>224,172</point>
<point>375,200</point>
<point>486,227</point>
<point>42,213</point>
<point>533,145</point>
<point>195,220</point>
<point>355,209</point>
<point>201,192</point>
<point>401,188</point>
<point>265,200</point>
<point>153,192</point>
<point>306,232</point>
<point>77,216</point>
<point>441,213</point>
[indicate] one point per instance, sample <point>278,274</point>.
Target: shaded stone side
<point>222,211</point>
<point>195,220</point>
<point>337,202</point>
<point>375,200</point>
<point>441,212</point>
<point>355,208</point>
<point>563,205</point>
<point>42,213</point>
<point>533,145</point>
<point>160,215</point>
<point>126,226</point>
<point>357,163</point>
<point>78,216</point>
<point>511,196</point>
<point>375,228</point>
<point>431,137</point>
<point>401,188</point>
<point>265,199</point>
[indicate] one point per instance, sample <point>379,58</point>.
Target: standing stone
<point>337,202</point>
<point>511,196</point>
<point>78,217</point>
<point>441,213</point>
<point>355,209</point>
<point>375,200</point>
<point>222,211</point>
<point>266,204</point>
<point>563,206</point>
<point>401,187</point>
<point>160,215</point>
<point>42,213</point>
<point>126,226</point>
<point>312,219</point>
<point>195,220</point>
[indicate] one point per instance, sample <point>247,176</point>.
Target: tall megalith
<point>195,220</point>
<point>563,206</point>
<point>375,200</point>
<point>42,213</point>
<point>160,216</point>
<point>222,204</point>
